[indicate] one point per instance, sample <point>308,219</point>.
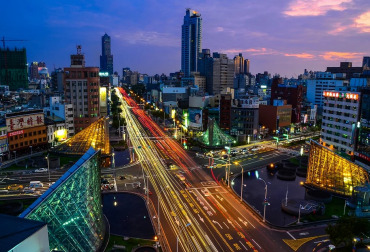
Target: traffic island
<point>288,175</point>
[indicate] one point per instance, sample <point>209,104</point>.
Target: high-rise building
<point>81,89</point>
<point>362,149</point>
<point>191,42</point>
<point>339,120</point>
<point>13,68</point>
<point>106,58</point>
<point>218,70</point>
<point>239,64</point>
<point>246,66</point>
<point>366,62</point>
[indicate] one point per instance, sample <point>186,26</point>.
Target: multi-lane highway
<point>193,207</point>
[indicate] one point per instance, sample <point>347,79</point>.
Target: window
<point>39,139</point>
<point>25,134</point>
<point>39,132</point>
<point>11,138</point>
<point>26,143</point>
<point>44,131</point>
<point>16,137</point>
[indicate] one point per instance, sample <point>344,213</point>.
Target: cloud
<point>298,8</point>
<point>220,29</point>
<point>300,55</point>
<point>363,22</point>
<point>251,51</point>
<point>149,38</point>
<point>336,56</point>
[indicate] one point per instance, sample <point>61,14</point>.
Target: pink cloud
<point>314,7</point>
<point>336,56</point>
<point>251,51</point>
<point>300,55</point>
<point>362,22</point>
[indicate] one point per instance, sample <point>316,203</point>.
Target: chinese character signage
<point>24,121</point>
<point>14,133</point>
<point>351,96</point>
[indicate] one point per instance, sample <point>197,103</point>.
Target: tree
<point>347,228</point>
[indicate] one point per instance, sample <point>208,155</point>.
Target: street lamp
<point>31,149</point>
<point>265,203</point>
<point>47,159</point>
<point>177,238</point>
<point>299,214</point>
<point>242,184</point>
<point>15,154</point>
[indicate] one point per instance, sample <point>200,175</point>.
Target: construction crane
<point>3,40</point>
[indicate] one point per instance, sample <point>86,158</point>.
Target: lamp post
<point>31,149</point>
<point>242,184</point>
<point>177,238</point>
<point>265,200</point>
<point>299,214</point>
<point>15,154</point>
<point>47,160</point>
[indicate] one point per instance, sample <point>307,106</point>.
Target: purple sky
<point>280,36</point>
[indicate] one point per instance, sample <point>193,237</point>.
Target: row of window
<point>83,74</point>
<point>335,126</point>
<point>27,143</point>
<point>34,133</point>
<point>341,99</point>
<point>329,132</point>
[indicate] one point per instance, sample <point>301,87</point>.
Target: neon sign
<point>351,96</point>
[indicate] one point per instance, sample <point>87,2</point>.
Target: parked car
<point>15,187</point>
<point>41,170</point>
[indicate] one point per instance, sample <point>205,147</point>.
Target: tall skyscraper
<point>246,66</point>
<point>218,70</point>
<point>106,58</point>
<point>191,42</point>
<point>239,64</point>
<point>366,62</point>
<point>81,89</point>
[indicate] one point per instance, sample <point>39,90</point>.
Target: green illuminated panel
<point>72,207</point>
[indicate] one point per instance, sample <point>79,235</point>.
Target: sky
<point>278,36</point>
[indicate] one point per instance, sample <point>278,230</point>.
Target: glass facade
<point>72,207</point>
<point>331,172</point>
<point>363,141</point>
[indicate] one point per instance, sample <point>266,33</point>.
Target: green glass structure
<point>72,207</point>
<point>214,136</point>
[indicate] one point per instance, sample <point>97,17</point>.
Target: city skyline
<point>146,36</point>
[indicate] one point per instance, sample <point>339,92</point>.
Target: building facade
<point>362,152</point>
<point>191,41</point>
<point>26,131</point>
<point>339,120</point>
<point>274,118</point>
<point>323,81</point>
<point>293,94</point>
<point>347,69</point>
<point>13,68</point>
<point>106,57</point>
<point>218,70</point>
<point>225,112</point>
<point>81,89</point>
<point>244,118</point>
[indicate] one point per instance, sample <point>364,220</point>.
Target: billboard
<point>24,121</point>
<point>195,118</point>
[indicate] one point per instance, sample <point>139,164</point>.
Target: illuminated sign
<point>351,96</point>
<point>103,74</point>
<point>24,121</point>
<point>18,132</point>
<point>61,134</point>
<point>103,96</point>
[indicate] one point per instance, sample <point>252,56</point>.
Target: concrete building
<point>63,111</point>
<point>339,120</point>
<point>323,81</point>
<point>191,41</point>
<point>81,89</point>
<point>195,79</point>
<point>26,130</point>
<point>13,68</point>
<point>362,144</point>
<point>4,149</point>
<point>366,62</point>
<point>244,118</point>
<point>218,70</point>
<point>275,117</point>
<point>57,80</point>
<point>106,57</point>
<point>347,69</point>
<point>293,94</point>
<point>225,112</point>
<point>239,64</point>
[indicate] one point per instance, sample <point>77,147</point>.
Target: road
<point>218,220</point>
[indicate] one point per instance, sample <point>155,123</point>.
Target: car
<point>205,192</point>
<point>29,190</point>
<point>224,156</point>
<point>15,187</point>
<point>233,151</point>
<point>41,170</point>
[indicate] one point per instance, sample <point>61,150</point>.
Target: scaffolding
<point>96,136</point>
<point>330,172</point>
